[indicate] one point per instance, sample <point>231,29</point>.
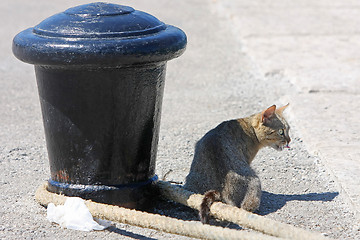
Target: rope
<point>154,221</point>
<point>237,215</point>
<point>189,228</point>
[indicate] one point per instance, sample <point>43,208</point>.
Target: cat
<point>221,165</point>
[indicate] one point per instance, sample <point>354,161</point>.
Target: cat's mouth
<point>281,147</point>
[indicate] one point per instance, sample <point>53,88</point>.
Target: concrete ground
<point>242,57</point>
<point>315,45</point>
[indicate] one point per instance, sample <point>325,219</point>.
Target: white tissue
<point>74,215</point>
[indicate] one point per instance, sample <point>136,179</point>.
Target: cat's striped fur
<point>221,164</point>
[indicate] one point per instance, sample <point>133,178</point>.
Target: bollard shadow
<point>128,234</point>
<point>271,202</point>
<point>174,210</point>
<point>182,212</point>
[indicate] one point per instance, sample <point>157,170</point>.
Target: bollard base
<point>135,195</point>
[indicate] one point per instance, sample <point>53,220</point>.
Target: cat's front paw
<point>251,204</point>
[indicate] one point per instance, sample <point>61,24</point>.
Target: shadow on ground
<point>182,212</point>
<point>129,234</point>
<point>271,202</point>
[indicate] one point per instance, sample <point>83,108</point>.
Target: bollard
<point>100,71</point>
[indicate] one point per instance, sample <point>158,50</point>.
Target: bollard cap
<point>99,34</point>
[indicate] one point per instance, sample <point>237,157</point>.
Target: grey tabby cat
<point>221,165</point>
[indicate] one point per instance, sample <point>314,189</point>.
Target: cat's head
<point>275,128</point>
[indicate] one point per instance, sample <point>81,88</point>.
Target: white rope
<point>154,221</point>
<point>237,215</point>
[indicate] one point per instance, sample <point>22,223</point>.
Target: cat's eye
<point>281,131</point>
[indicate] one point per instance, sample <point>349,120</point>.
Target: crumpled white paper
<point>75,215</point>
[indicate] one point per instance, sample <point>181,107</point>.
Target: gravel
<point>212,82</point>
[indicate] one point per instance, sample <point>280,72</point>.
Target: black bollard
<point>100,71</point>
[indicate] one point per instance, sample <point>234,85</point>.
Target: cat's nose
<point>287,142</point>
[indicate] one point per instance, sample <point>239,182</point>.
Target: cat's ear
<point>268,113</point>
<point>280,110</point>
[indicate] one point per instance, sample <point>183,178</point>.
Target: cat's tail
<point>209,198</point>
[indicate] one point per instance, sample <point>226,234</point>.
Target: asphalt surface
<point>241,58</point>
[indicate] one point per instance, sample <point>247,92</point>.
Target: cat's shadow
<point>271,202</point>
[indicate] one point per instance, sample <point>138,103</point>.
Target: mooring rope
<point>154,221</point>
<point>187,228</point>
<point>237,215</point>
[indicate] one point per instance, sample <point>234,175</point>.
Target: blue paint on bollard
<point>97,188</point>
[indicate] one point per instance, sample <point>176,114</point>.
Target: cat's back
<point>223,132</point>
<point>219,147</point>
<point>214,155</point>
